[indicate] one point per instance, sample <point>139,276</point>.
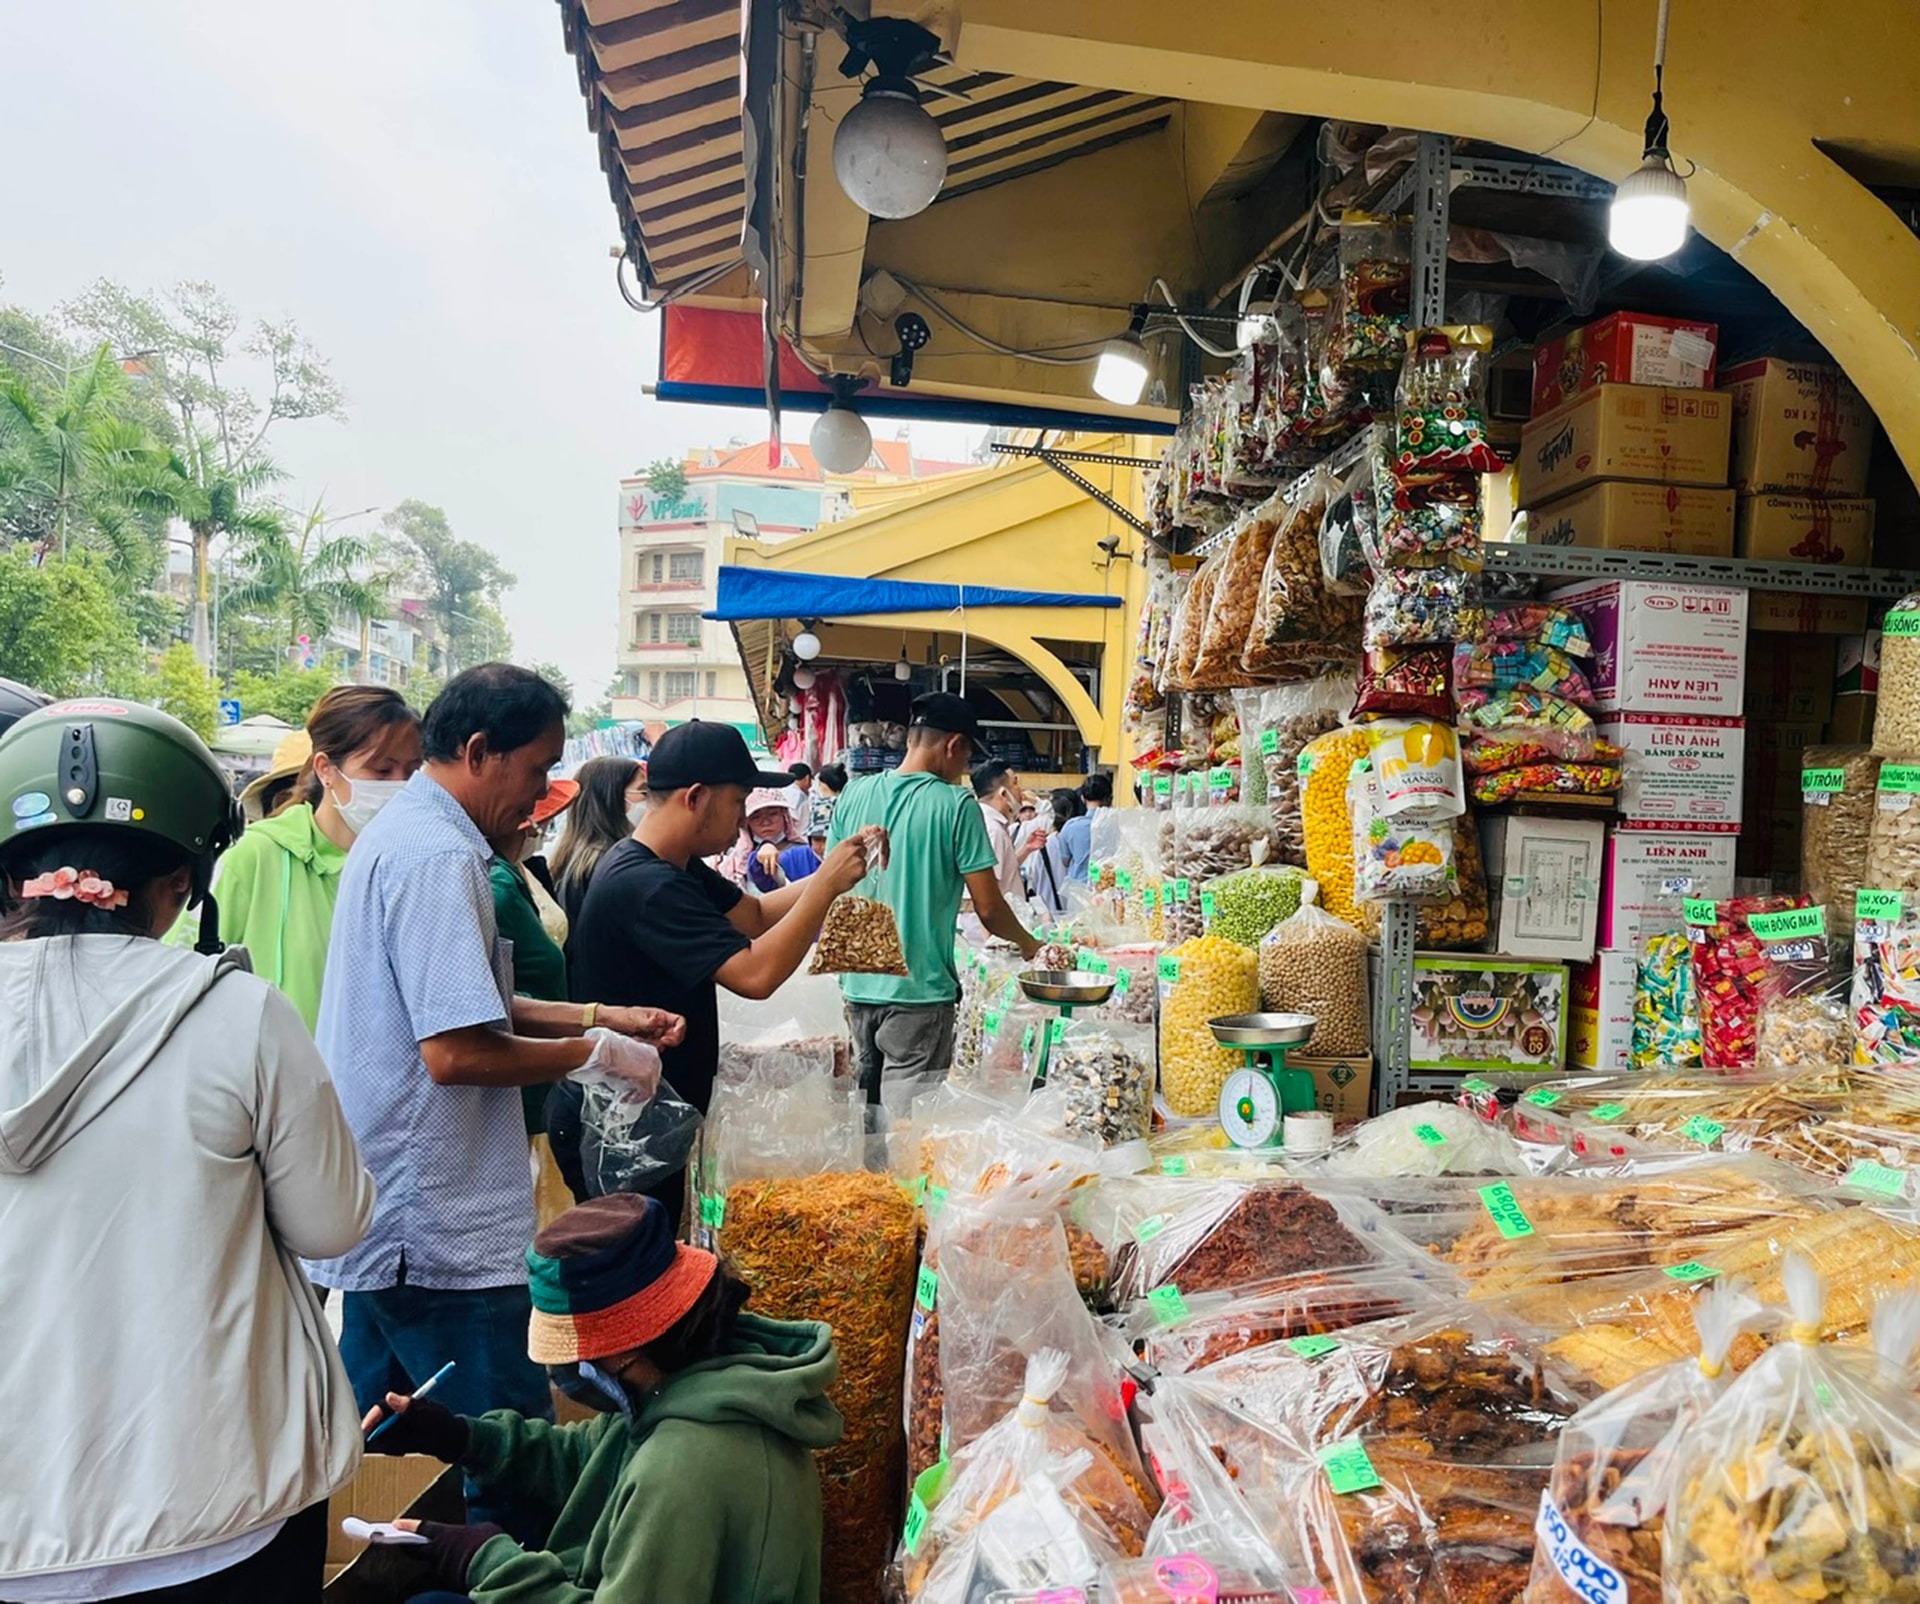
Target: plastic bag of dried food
<point>1201,979</point>
<point>1729,967</point>
<point>1247,904</point>
<point>1893,849</point>
<point>1034,1504</point>
<point>1325,765</point>
<point>1299,715</point>
<point>1105,1069</point>
<point>1400,856</point>
<point>1345,529</point>
<point>1426,1139</point>
<point>1367,333</point>
<point>859,937</point>
<point>1441,407</point>
<point>1295,606</point>
<point>1603,1512</point>
<point>1837,788</point>
<point>1406,682</point>
<point>1799,1482</point>
<point>1896,717</point>
<point>1541,624</point>
<point>1804,1018</point>
<point>1190,625</point>
<point>1430,604</point>
<point>1491,754</point>
<point>1316,964</point>
<point>1231,607</point>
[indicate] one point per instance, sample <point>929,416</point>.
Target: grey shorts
<point>894,1044</point>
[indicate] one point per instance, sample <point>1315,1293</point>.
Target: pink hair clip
<point>75,885</point>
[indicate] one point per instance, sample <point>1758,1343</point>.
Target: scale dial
<point>1250,1109</point>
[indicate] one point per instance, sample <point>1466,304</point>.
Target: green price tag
<point>1698,911</point>
<point>918,1190</point>
<point>1122,981</point>
<point>1900,777</point>
<point>1692,1270</point>
<point>1702,1130</point>
<point>1348,1468</point>
<point>1150,1227</point>
<point>1899,623</point>
<point>1220,779</point>
<point>1169,1308</point>
<point>713,1210</point>
<point>1506,1211</point>
<point>1176,1164</point>
<point>926,1492</point>
<point>1057,1032</point>
<point>1206,906</point>
<point>1607,1113</point>
<point>1169,969</point>
<point>936,1198</point>
<point>1150,898</point>
<point>926,1287</point>
<point>1303,764</point>
<point>1822,781</point>
<point>1877,904</point>
<point>1542,1097</point>
<point>1312,1347</point>
<point>1269,742</point>
<point>1430,1134</point>
<point>1162,785</point>
<point>1026,1042</point>
<point>1473,1083</point>
<point>1182,890</point>
<point>1095,964</point>
<point>1872,1176</point>
<point>1123,878</point>
<point>1791,925</point>
<point>990,1022</point>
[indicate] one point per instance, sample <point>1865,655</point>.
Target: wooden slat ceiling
<point>662,83</point>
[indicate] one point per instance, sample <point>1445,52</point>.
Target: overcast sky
<point>415,183</point>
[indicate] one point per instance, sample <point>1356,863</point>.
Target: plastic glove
<point>425,1426</point>
<point>620,1058</point>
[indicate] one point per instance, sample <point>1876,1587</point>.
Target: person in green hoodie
<point>698,1484</point>
<point>278,882</point>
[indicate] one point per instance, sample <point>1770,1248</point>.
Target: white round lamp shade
<point>806,646</point>
<point>889,153</point>
<point>1120,374</point>
<point>804,679</point>
<point>841,440</point>
<point>1649,216</point>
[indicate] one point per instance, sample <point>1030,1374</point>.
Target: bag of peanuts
<point>859,937</point>
<point>1316,964</point>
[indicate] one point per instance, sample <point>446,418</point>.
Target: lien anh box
<point>1600,1013</point>
<point>1626,431</point>
<point>1624,348</point>
<point>1545,874</point>
<point>1794,681</point>
<point>1625,515</point>
<point>1784,528</point>
<point>1647,874</point>
<point>1342,1087</point>
<point>1679,773</point>
<point>1659,648</point>
<point>1488,1013</point>
<point>1798,426</point>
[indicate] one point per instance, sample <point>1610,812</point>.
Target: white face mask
<point>636,811</point>
<point>365,798</point>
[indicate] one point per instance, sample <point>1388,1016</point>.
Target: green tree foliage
<point>288,694</point>
<point>460,581</point>
<point>181,687</point>
<point>553,675</point>
<point>61,628</point>
<point>307,578</point>
<point>585,719</point>
<point>667,478</point>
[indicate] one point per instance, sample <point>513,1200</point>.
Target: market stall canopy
<point>775,593</point>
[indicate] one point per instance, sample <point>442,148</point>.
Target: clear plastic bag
<point>1232,605</point>
<point>1505,665</point>
<point>1296,613</point>
<point>633,1144</point>
<point>1406,682</point>
<point>1441,404</point>
<point>1799,1482</point>
<point>1601,1518</point>
<point>1250,902</point>
<point>1541,624</point>
<point>1666,1004</point>
<point>1300,714</point>
<point>1517,748</point>
<point>1837,789</point>
<point>1427,1139</point>
<point>1804,1017</point>
<point>1896,716</point>
<point>1325,765</point>
<point>1345,530</point>
<point>1201,979</point>
<point>1729,967</point>
<point>1106,1072</point>
<point>1435,603</point>
<point>1368,330</point>
<point>1526,714</point>
<point>1886,978</point>
<point>859,937</point>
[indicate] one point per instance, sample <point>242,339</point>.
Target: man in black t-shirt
<point>658,924</point>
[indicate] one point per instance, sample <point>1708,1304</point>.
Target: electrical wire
<point>692,287</point>
<point>1090,348</point>
<point>1188,329</point>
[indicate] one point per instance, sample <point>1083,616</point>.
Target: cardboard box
<point>1546,873</point>
<point>1796,613</point>
<point>1792,679</point>
<point>1646,874</point>
<point>1488,1013</point>
<point>1343,1087</point>
<point>1770,847</point>
<point>1657,648</point>
<point>1775,756</point>
<point>1679,773</point>
<point>1805,529</point>
<point>1857,667</point>
<point>385,1488</point>
<point>1851,723</point>
<point>1626,431</point>
<point>1798,426</point>
<point>1624,348</point>
<point>1600,1013</point>
<point>1622,515</point>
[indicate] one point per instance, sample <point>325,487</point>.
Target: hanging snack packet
<point>1406,682</point>
<point>1442,406</point>
<point>1395,857</point>
<point>1416,767</point>
<point>1729,964</point>
<point>1343,548</point>
<point>1439,520</point>
<point>1369,327</point>
<point>1423,606</point>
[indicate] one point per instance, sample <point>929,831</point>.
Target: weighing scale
<point>1257,1098</point>
<point>1066,990</point>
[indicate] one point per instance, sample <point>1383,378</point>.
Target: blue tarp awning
<point>746,593</point>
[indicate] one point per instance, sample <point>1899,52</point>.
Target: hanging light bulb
<point>806,646</point>
<point>903,670</point>
<point>1649,216</point>
<point>1120,373</point>
<point>888,152</point>
<point>841,440</point>
<point>804,679</point>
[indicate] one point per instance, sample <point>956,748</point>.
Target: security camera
<point>1110,545</point>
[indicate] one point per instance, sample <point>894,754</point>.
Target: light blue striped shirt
<point>415,952</point>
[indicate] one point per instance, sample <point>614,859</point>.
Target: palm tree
<point>218,502</point>
<point>78,468</point>
<point>309,579</point>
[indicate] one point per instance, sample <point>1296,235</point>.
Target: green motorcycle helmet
<point>99,763</point>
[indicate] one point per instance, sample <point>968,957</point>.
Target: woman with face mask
<point>277,883</point>
<point>612,801</point>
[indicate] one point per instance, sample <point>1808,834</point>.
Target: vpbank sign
<point>648,508</point>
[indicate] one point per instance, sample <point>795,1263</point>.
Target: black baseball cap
<point>699,753</point>
<point>950,714</point>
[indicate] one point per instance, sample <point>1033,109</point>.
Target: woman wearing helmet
<point>278,884</point>
<point>170,1147</point>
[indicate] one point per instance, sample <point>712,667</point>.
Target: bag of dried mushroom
<point>821,1237</point>
<point>859,937</point>
<point>1601,1517</point>
<point>1800,1482</point>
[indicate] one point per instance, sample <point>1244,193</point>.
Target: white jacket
<point>170,1146</point>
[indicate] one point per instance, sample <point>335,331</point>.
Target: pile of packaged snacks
<point>1837,789</point>
<point>1316,964</point>
<point>1490,755</point>
<point>1405,682</point>
<point>1893,847</point>
<point>1729,972</point>
<point>1200,980</point>
<point>1298,715</point>
<point>1666,1005</point>
<point>1247,904</point>
<point>859,937</point>
<point>1798,1482</point>
<point>1441,405</point>
<point>1436,603</point>
<point>1325,766</point>
<point>1885,998</point>
<point>1366,335</point>
<point>1565,779</point>
<point>1105,1071</point>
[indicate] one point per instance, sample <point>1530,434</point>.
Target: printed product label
<point>1900,777</point>
<point>1698,911</point>
<point>1899,623</point>
<point>1793,924</point>
<point>1169,969</point>
<point>1543,1097</point>
<point>1175,1164</point>
<point>1872,1176</point>
<point>1150,1227</point>
<point>927,1287</point>
<point>1269,742</point>
<point>1877,904</point>
<point>1584,1572</point>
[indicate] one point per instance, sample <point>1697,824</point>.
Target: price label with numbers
<point>1348,1468</point>
<point>1508,1216</point>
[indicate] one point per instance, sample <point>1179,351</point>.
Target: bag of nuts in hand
<point>859,937</point>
